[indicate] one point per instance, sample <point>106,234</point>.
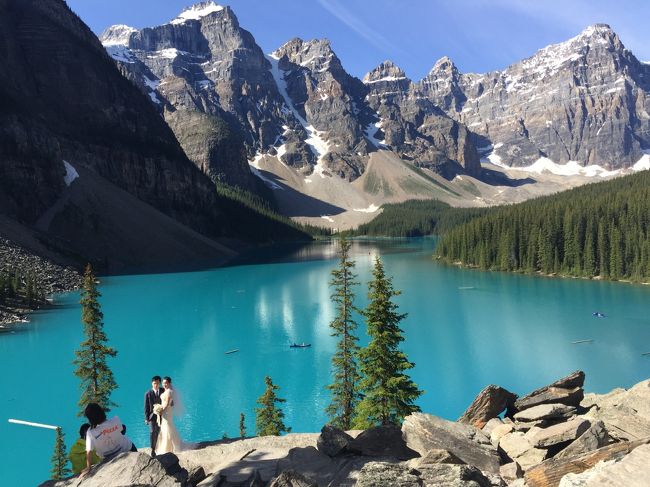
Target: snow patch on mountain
<point>121,53</point>
<point>489,155</point>
<point>385,78</point>
<point>315,141</point>
<point>70,173</point>
<point>643,164</point>
<point>117,35</point>
<point>371,134</point>
<point>255,169</point>
<point>371,209</point>
<point>571,168</point>
<point>197,12</point>
<point>169,53</point>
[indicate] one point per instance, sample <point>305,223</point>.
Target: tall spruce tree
<point>60,469</point>
<point>97,382</point>
<point>345,388</point>
<point>269,417</point>
<point>388,393</point>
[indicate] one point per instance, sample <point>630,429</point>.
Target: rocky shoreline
<point>52,277</point>
<point>555,436</point>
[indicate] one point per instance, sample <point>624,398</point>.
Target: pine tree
<point>242,425</point>
<point>60,469</point>
<point>344,389</point>
<point>97,382</point>
<point>388,393</point>
<point>268,417</point>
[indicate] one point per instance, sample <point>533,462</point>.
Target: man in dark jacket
<point>151,397</point>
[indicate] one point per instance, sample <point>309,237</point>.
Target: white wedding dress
<point>168,439</point>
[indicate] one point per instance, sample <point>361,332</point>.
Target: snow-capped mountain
<point>297,103</point>
<point>582,104</point>
<point>583,100</point>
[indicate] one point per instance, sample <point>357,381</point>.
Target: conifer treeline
<point>416,218</point>
<point>253,216</point>
<point>600,229</point>
<point>19,287</point>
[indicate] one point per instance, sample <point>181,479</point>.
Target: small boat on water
<point>598,314</point>
<point>300,345</point>
<point>232,351</point>
<point>582,341</point>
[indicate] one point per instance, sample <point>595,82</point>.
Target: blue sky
<point>479,35</point>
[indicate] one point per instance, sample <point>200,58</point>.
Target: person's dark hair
<point>95,414</point>
<point>155,377</point>
<point>168,379</point>
<point>83,430</point>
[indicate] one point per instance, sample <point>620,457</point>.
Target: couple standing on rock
<point>159,404</point>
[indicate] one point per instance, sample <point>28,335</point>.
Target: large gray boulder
<point>424,432</point>
<point>333,441</point>
<point>382,441</point>
<point>435,457</point>
<point>518,448</point>
<point>380,474</point>
<point>375,474</point>
<point>289,478</point>
<point>633,470</point>
<point>567,390</point>
<point>126,470</point>
<point>559,433</point>
<point>625,413</point>
<point>592,439</point>
<point>545,411</point>
<point>550,472</point>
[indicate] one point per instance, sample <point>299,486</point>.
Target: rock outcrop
<point>424,432</point>
<point>429,451</point>
<point>489,403</point>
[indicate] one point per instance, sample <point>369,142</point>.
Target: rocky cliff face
<point>63,100</point>
<point>297,103</point>
<point>205,74</point>
<point>415,127</point>
<point>582,100</point>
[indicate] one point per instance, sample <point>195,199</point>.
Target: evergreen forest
<point>596,230</point>
<point>416,218</point>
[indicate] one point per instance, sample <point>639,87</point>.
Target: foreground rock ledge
<point>599,441</point>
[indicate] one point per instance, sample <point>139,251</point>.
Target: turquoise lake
<point>465,329</point>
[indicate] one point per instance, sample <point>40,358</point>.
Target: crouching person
<point>104,436</point>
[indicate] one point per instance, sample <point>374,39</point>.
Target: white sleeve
<point>90,444</point>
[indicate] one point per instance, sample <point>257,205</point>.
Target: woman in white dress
<point>168,439</point>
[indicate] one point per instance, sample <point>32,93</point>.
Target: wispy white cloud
<point>344,15</point>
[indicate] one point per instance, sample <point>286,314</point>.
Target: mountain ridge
<point>557,112</point>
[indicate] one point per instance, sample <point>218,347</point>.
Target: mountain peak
<point>314,54</point>
<point>197,12</point>
<point>117,35</point>
<point>444,65</point>
<point>386,71</point>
